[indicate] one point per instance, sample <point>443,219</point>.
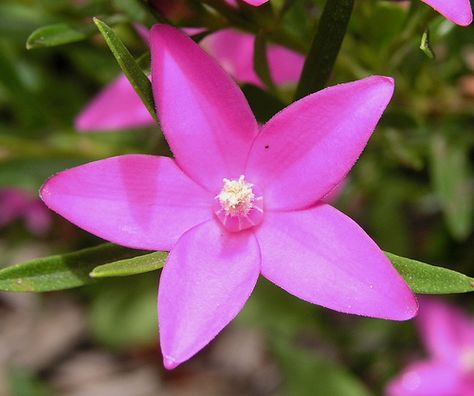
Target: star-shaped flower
<point>448,335</point>
<point>238,200</point>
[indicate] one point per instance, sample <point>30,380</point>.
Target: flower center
<point>467,360</point>
<point>239,206</point>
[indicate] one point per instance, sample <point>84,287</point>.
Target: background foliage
<point>412,189</point>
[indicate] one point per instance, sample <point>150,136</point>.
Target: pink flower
<point>116,107</point>
<point>237,200</point>
<point>234,51</point>
<point>16,204</point>
<point>448,335</point>
<point>457,11</point>
<point>119,107</point>
<point>256,2</point>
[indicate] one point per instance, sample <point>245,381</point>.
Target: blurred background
<point>412,190</point>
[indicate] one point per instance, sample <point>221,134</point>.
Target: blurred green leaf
<point>284,315</point>
<point>61,271</point>
<point>260,60</point>
<point>58,34</point>
<point>264,105</point>
<point>23,383</point>
<point>123,312</point>
<point>381,34</point>
<point>132,266</point>
<point>429,279</point>
<point>387,208</point>
<point>31,172</point>
<point>21,97</point>
<point>129,66</point>
<point>451,178</point>
<point>64,33</point>
<point>306,373</point>
<point>135,9</point>
<point>17,20</point>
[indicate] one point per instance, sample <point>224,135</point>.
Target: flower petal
<point>457,11</point>
<point>13,204</point>
<point>208,277</point>
<point>256,2</point>
<point>322,256</point>
<point>37,217</point>
<point>431,378</point>
<point>304,151</point>
<point>204,116</point>
<point>139,201</point>
<point>285,65</point>
<point>444,329</point>
<point>116,107</point>
<point>234,50</point>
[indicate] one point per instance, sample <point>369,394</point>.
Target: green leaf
<point>64,33</point>
<point>451,177</point>
<point>264,105</point>
<point>429,279</point>
<point>30,172</point>
<point>425,44</point>
<point>62,271</point>
<point>129,66</point>
<point>260,61</point>
<point>325,46</point>
<point>135,9</point>
<point>135,265</point>
<point>23,382</point>
<point>307,373</point>
<point>58,34</point>
<point>123,313</point>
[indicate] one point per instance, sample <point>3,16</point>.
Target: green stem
<point>325,46</point>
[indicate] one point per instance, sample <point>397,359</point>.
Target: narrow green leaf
<point>58,34</point>
<point>129,66</point>
<point>451,178</point>
<point>429,279</point>
<point>425,44</point>
<point>260,61</point>
<point>64,33</point>
<point>132,266</point>
<point>62,271</point>
<point>325,46</point>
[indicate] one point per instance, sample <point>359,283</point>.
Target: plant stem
<point>325,46</point>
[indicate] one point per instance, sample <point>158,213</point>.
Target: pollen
<point>239,205</point>
<point>236,197</point>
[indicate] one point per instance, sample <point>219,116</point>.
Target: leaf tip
<point>97,22</point>
<point>94,274</point>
